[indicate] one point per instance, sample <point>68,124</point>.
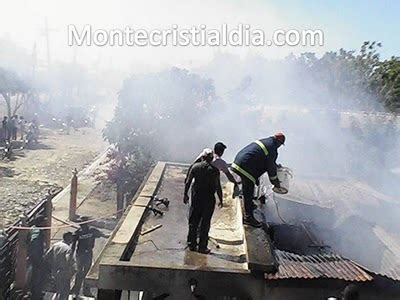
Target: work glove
<point>236,191</point>
<point>262,199</point>
<point>276,183</point>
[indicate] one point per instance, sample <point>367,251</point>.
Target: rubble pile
<point>19,197</point>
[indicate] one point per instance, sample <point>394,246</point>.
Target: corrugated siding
<point>316,266</point>
<point>389,267</point>
<point>390,262</point>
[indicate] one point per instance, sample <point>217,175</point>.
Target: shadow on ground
<point>38,146</point>
<point>6,172</point>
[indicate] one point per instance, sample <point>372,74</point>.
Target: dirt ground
<point>25,179</point>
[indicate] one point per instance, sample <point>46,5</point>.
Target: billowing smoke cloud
<point>341,145</point>
<point>327,131</point>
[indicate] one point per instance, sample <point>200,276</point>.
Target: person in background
<point>32,135</point>
<point>253,161</point>
<point>21,126</point>
<point>84,241</point>
<point>68,122</point>
<point>14,127</point>
<point>206,184</point>
<point>4,129</point>
<point>218,161</point>
<point>61,259</point>
<point>35,126</point>
<point>36,246</point>
<point>351,292</point>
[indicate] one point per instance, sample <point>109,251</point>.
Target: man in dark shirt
<point>36,246</point>
<point>84,239</point>
<point>14,127</point>
<point>4,128</point>
<point>253,161</point>
<point>206,183</point>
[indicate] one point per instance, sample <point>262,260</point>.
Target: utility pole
<point>46,32</point>
<point>34,61</point>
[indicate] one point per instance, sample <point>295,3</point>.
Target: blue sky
<point>348,23</point>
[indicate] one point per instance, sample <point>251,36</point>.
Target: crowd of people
<point>18,128</point>
<point>12,127</point>
<point>71,256</point>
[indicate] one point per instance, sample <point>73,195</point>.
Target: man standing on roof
<point>218,162</point>
<point>206,184</point>
<point>253,161</point>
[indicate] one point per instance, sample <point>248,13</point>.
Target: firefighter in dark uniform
<point>206,183</point>
<point>84,239</point>
<point>253,161</point>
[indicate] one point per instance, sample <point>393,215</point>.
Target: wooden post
<point>120,201</point>
<point>21,259</point>
<point>73,196</point>
<point>48,210</point>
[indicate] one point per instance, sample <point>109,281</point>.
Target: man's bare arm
<point>188,182</point>
<point>103,235</point>
<point>230,177</point>
<point>74,242</point>
<point>219,192</point>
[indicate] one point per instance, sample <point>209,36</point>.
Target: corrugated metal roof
<point>390,262</point>
<point>317,266</point>
<point>346,207</point>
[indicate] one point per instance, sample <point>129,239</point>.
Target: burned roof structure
<point>351,217</point>
<point>147,253</point>
<point>291,265</point>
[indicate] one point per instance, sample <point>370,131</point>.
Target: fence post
<point>73,196</point>
<point>120,201</point>
<point>21,258</point>
<point>48,210</point>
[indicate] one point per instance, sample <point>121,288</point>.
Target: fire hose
<point>66,225</point>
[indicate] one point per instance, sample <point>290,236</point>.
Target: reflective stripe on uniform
<point>243,172</point>
<point>259,143</point>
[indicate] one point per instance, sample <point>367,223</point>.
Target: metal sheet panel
<point>317,267</point>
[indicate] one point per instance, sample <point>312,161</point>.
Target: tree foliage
<point>342,80</point>
<point>14,91</point>
<point>156,109</point>
<point>158,117</point>
<point>356,80</point>
<point>387,76</point>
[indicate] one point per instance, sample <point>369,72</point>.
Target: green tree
<point>387,81</point>
<point>14,91</point>
<point>158,116</point>
<point>154,109</point>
